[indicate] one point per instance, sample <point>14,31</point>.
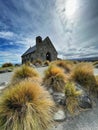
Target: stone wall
<point>44,48</point>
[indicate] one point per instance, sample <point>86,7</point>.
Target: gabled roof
<point>30,50</point>
<point>33,49</point>
<point>47,39</point>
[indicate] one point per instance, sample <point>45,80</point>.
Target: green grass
<point>72,95</point>
<point>5,68</point>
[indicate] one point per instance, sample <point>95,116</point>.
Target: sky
<point>72,26</point>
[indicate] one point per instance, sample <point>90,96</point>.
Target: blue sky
<point>72,26</point>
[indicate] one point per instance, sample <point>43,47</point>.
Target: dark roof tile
<point>30,50</point>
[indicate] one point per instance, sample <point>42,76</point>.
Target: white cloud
<point>9,57</point>
<point>6,35</point>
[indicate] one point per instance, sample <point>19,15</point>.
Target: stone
<point>3,83</point>
<point>50,91</point>
<point>85,102</point>
<point>43,50</point>
<point>59,115</point>
<point>2,87</point>
<point>59,98</point>
<point>2,71</point>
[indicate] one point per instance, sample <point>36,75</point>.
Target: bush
<point>72,95</point>
<point>24,72</point>
<point>7,65</point>
<point>66,65</point>
<point>27,106</point>
<point>55,78</point>
<point>83,74</point>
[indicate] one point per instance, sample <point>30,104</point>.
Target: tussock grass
<point>47,63</point>
<point>55,78</point>
<point>95,63</point>
<point>83,74</point>
<point>27,106</point>
<point>72,95</point>
<point>66,65</point>
<point>25,72</point>
<point>38,62</point>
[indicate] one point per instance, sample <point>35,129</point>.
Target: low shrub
<point>27,106</point>
<point>7,65</point>
<point>55,78</point>
<point>72,95</point>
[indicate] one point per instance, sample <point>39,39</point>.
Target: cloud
<point>74,36</point>
<point>6,35</point>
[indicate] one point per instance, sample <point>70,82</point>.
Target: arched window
<point>48,56</point>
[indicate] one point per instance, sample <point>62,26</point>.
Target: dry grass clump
<point>27,106</point>
<point>83,74</point>
<point>28,63</point>
<point>66,65</point>
<point>55,78</point>
<point>38,62</point>
<point>72,95</point>
<point>46,63</point>
<point>24,72</point>
<point>95,63</point>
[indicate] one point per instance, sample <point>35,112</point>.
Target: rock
<point>2,87</point>
<point>3,83</point>
<point>9,70</point>
<point>59,115</point>
<point>85,102</point>
<point>59,98</point>
<point>50,91</point>
<point>2,71</point>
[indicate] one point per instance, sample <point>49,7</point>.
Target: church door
<point>48,56</point>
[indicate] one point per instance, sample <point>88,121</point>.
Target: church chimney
<point>38,40</point>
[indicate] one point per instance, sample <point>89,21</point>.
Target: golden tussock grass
<point>72,95</point>
<point>25,72</point>
<point>83,74</point>
<point>37,61</point>
<point>27,106</point>
<point>66,65</point>
<point>55,78</point>
<point>47,63</point>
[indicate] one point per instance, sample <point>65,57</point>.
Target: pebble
<point>59,115</point>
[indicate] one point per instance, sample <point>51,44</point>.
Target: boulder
<point>85,102</point>
<point>59,115</point>
<point>3,83</point>
<point>59,98</point>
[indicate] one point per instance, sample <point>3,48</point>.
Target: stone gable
<point>43,50</point>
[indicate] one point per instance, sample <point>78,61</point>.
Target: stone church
<point>43,50</point>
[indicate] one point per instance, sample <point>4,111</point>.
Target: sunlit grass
<point>24,72</point>
<point>72,95</point>
<point>27,106</point>
<point>84,75</point>
<point>55,78</point>
<point>65,64</point>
